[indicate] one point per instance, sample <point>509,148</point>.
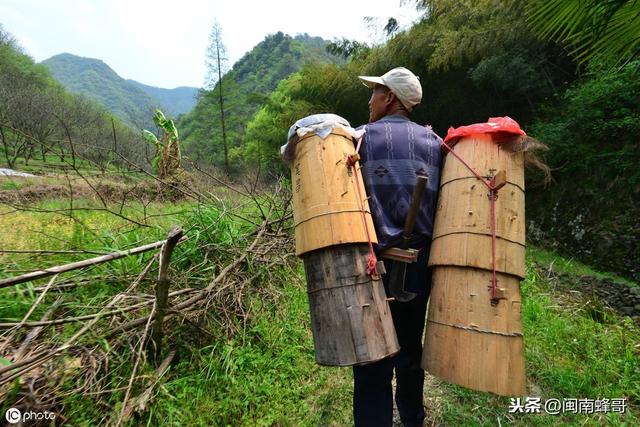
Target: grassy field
<point>264,373</point>
<point>221,380</point>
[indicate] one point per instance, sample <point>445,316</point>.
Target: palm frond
<point>591,28</point>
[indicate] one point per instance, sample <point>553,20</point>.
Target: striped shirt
<point>394,152</point>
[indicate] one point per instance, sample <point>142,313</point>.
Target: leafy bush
<point>592,211</point>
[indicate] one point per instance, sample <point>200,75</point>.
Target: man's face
<point>379,102</point>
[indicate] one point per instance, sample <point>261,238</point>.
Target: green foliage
<point>133,102</point>
<point>153,140</point>
<point>150,138</point>
<point>265,376</point>
<point>592,211</point>
<point>592,28</point>
<point>318,88</point>
<point>570,266</point>
<point>511,74</point>
<point>166,125</point>
<point>97,81</point>
<point>580,363</point>
<point>176,101</point>
<point>21,67</point>
<point>267,131</point>
<point>247,87</point>
<point>167,160</point>
<point>469,30</point>
<point>331,88</point>
<point>9,185</point>
<point>470,83</point>
<point>348,48</point>
<point>477,60</point>
<point>475,82</point>
<point>38,118</point>
<point>89,230</point>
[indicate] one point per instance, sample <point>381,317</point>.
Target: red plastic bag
<point>504,125</point>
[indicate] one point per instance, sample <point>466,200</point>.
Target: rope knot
<point>352,159</point>
<point>372,269</point>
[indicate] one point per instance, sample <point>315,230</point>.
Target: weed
<point>265,374</point>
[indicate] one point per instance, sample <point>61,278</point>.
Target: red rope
<point>372,262</point>
<point>492,197</point>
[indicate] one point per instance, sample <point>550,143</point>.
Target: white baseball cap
<point>400,81</point>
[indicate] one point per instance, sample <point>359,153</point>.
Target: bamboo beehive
<point>470,341</point>
<point>326,209</point>
<point>350,317</point>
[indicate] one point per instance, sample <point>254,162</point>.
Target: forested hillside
<point>40,120</point>
<point>475,61</point>
<point>174,101</point>
<point>97,81</point>
<point>246,88</point>
<point>133,102</point>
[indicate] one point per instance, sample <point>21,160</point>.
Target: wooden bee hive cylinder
<point>470,341</point>
<point>350,317</point>
<point>326,209</point>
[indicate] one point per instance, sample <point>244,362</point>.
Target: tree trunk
<point>17,151</point>
<point>71,147</point>
<point>6,149</point>
<point>224,132</point>
<point>27,157</point>
<point>61,152</point>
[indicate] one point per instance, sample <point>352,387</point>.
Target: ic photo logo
<point>13,415</point>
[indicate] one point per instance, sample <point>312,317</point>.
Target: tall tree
<point>217,65</point>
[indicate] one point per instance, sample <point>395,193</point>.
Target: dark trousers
<point>372,391</point>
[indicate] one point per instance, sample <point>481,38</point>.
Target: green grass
<point>6,184</point>
<point>51,163</point>
<point>266,374</point>
<point>263,376</point>
<point>97,231</point>
<point>561,264</point>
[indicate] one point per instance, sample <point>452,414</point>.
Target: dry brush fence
<point>133,321</point>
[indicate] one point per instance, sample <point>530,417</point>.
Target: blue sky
<point>162,43</point>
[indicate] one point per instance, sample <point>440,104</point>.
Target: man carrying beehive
<point>397,153</point>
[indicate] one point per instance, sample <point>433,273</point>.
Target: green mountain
<point>131,101</point>
<point>246,88</point>
<point>176,101</point>
<point>42,121</point>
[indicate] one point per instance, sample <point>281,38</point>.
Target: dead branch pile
<point>207,298</point>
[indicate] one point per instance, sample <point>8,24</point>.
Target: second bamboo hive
<point>470,341</point>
